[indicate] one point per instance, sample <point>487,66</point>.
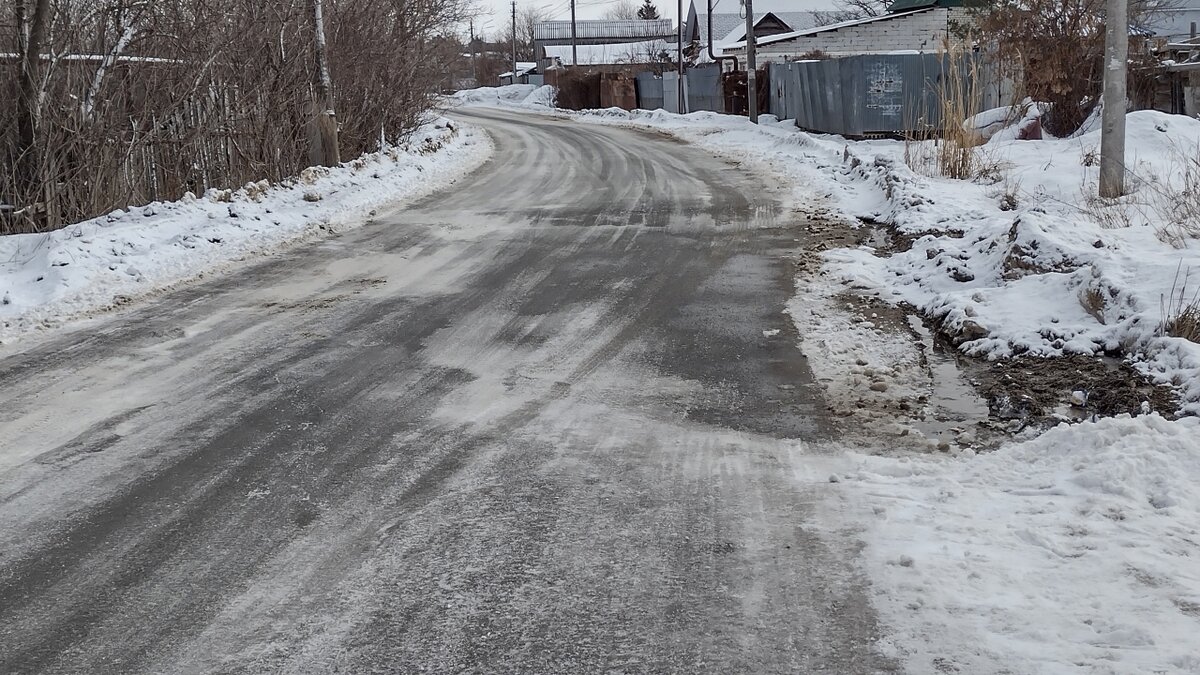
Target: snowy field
<point>46,279</point>
<point>1073,552</point>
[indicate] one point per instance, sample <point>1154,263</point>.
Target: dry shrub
<point>1181,309</point>
<point>1094,303</point>
<point>1170,202</point>
<point>950,148</point>
<point>143,100</point>
<point>1177,201</point>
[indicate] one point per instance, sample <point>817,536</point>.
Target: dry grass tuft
<point>949,147</point>
<point>1094,303</point>
<point>1181,309</point>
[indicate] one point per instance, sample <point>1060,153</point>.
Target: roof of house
<point>609,54</point>
<point>784,37</point>
<point>523,68</point>
<point>602,31</point>
<point>727,18</point>
<point>907,5</point>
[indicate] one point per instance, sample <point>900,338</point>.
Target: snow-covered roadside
<point>107,261</point>
<point>1073,552</point>
<point>1040,277</point>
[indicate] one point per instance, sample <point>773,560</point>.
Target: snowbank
<point>1076,551</point>
<point>106,261</point>
<point>507,96</point>
<point>1044,278</point>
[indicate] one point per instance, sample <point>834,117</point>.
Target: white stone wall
<point>922,31</point>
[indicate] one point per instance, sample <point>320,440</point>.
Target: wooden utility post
<point>323,149</point>
<point>574,47</point>
<point>751,65</point>
<point>513,79</point>
<point>1112,132</point>
<point>474,70</point>
<point>679,95</point>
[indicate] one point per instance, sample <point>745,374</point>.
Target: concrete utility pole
<point>751,64</point>
<point>1112,133</point>
<point>574,47</point>
<point>680,99</point>
<point>514,42</point>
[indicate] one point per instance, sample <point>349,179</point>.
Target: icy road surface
<point>531,424</point>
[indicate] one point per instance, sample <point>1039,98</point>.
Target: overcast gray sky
<point>593,9</point>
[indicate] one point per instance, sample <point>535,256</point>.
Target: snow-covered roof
<point>795,20</point>
<point>602,31</point>
<point>523,68</point>
<point>95,58</point>
<point>598,55</point>
<point>730,27</point>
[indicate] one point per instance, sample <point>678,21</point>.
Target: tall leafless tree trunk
<point>31,33</point>
<point>325,141</point>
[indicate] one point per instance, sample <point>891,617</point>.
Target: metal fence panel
<point>873,93</point>
<point>671,84</point>
<point>779,104</point>
<point>649,91</point>
<point>704,89</point>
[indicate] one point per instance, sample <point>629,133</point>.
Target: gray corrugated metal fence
<point>670,82</point>
<point>872,93</point>
<point>649,91</point>
<point>702,86</point>
<point>704,89</point>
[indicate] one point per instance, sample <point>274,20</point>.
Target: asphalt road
<point>529,424</point>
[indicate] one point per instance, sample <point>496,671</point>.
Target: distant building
<point>527,73</point>
<point>603,42</point>
<point>772,17</point>
<point>909,26</point>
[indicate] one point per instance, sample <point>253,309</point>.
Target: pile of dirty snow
<point>1024,266</point>
<point>1075,551</point>
<point>106,261</point>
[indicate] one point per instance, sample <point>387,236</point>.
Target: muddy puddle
<point>954,410</point>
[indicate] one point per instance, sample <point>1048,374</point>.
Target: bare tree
<point>527,19</point>
<point>851,10</point>
<point>325,139</point>
<point>112,103</point>
<point>32,24</point>
<point>1055,49</point>
<point>622,9</point>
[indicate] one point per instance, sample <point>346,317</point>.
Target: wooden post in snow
<point>323,149</point>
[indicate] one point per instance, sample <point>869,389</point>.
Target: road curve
<point>528,424</point>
